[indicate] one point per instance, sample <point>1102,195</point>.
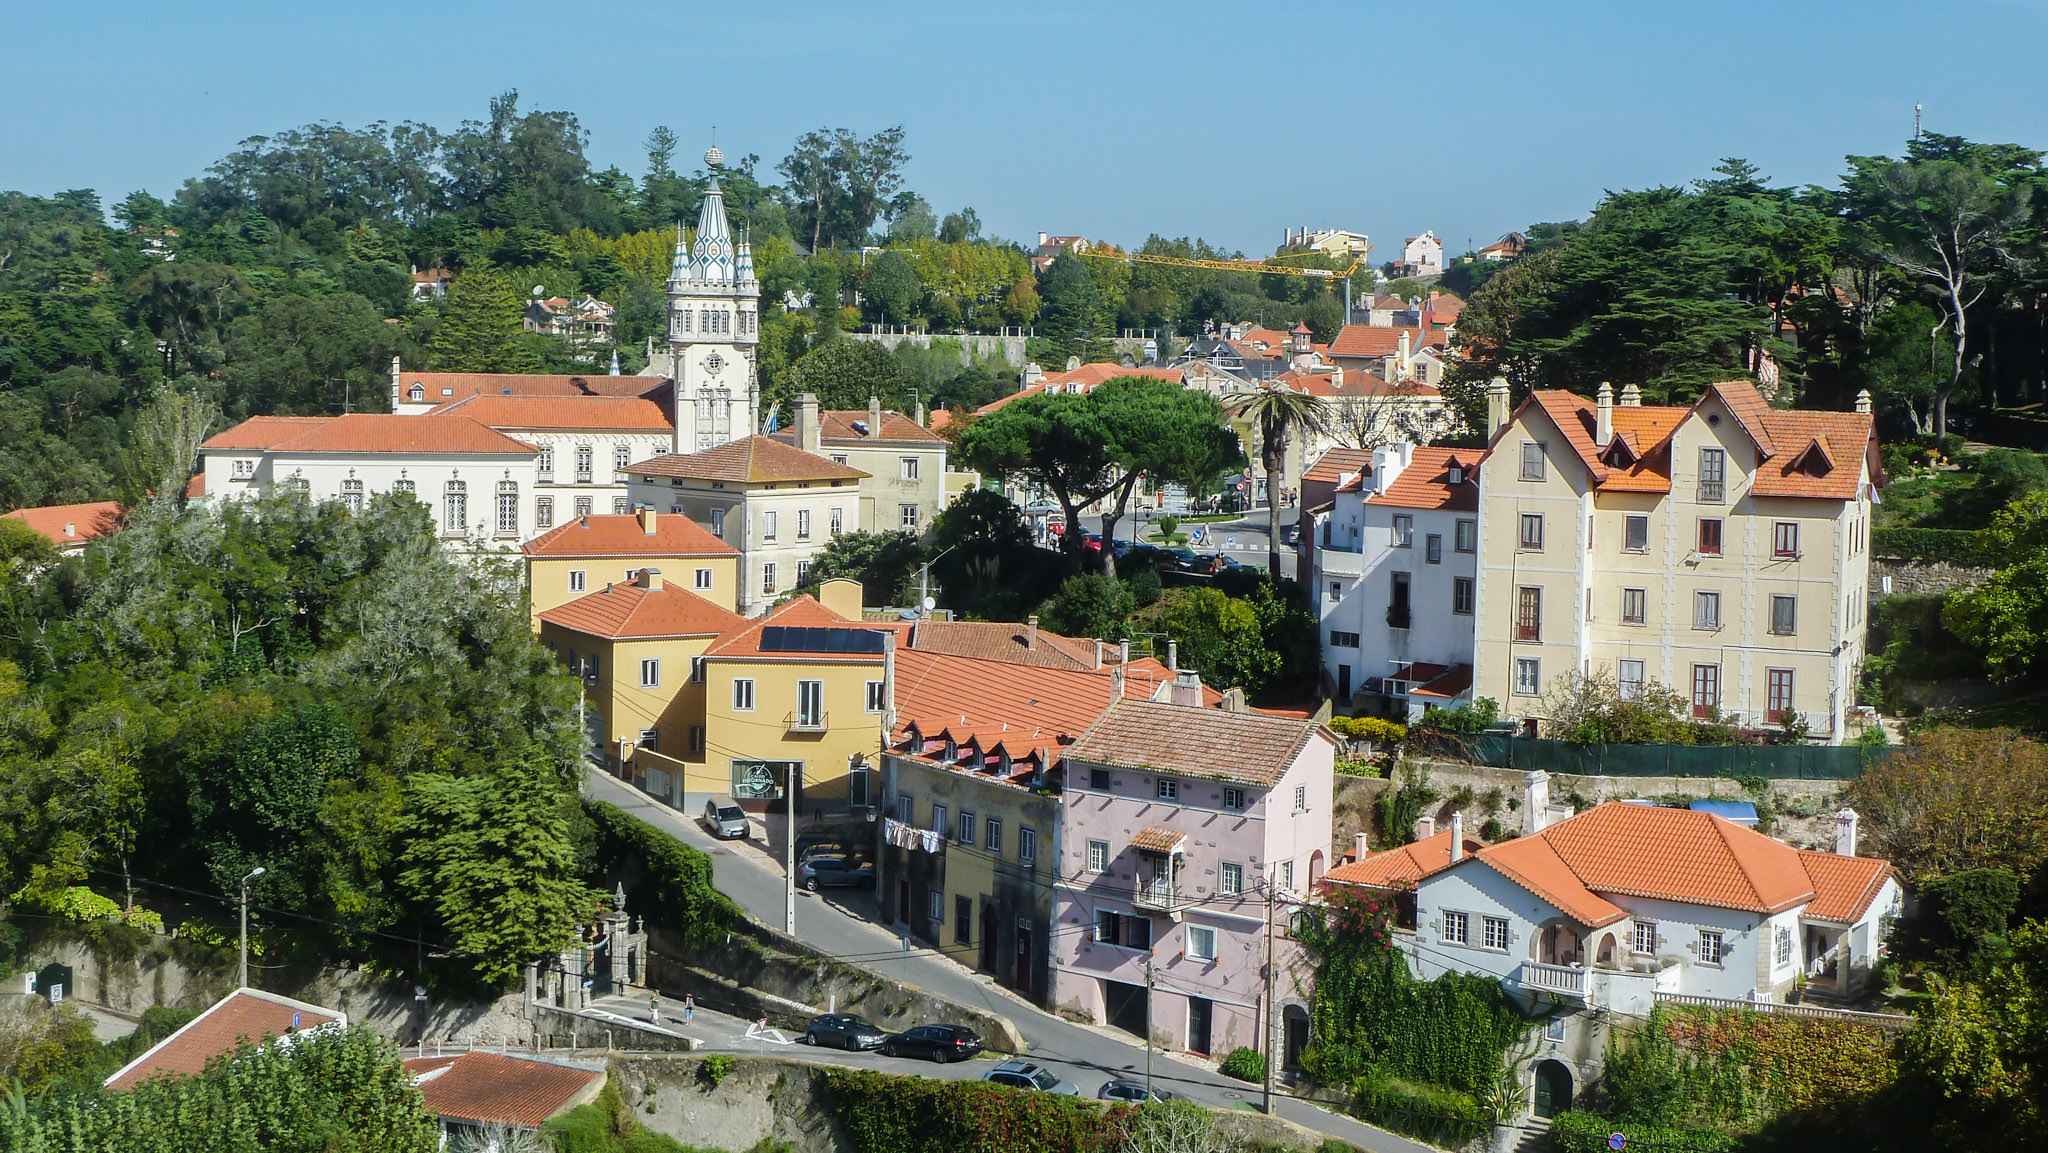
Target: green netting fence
<point>1772,762</point>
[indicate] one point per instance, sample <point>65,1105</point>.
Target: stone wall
<point>1911,577</point>
<point>1009,348</point>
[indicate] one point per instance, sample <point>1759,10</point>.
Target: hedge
<point>882,1113</point>
<point>1588,1133</point>
<point>1950,545</point>
<point>1442,1117</point>
<point>674,885</point>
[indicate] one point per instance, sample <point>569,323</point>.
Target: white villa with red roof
<point>1719,548</point>
<point>1395,557</point>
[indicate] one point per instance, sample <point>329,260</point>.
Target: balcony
<point>1160,895</point>
<point>1563,980</point>
<point>806,722</point>
<point>1712,492</point>
<point>1397,616</point>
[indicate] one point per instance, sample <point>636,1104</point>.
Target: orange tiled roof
<point>1249,747</point>
<point>1004,641</point>
<point>1843,436</point>
<point>1154,839</point>
<point>1332,465</point>
<point>629,413</point>
<point>1087,376</point>
<point>627,536</point>
<point>837,424</point>
<point>1751,411</point>
<point>1425,483</point>
<point>245,1014</point>
<point>260,432</point>
<point>628,612</point>
<point>1668,854</point>
<point>1843,887</point>
<point>72,523</point>
<point>744,639</point>
<point>482,1088</point>
<point>1401,868</point>
<point>461,384</point>
<point>748,460</point>
<point>1356,384</point>
<point>1024,709</point>
<point>1373,341</point>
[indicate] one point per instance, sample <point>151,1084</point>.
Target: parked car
<point>1029,1075</point>
<point>833,873</point>
<point>1290,534</point>
<point>723,818</point>
<point>827,847</point>
<point>1181,558</point>
<point>845,1031</point>
<point>1131,1091</point>
<point>940,1043</point>
<point>1094,542</point>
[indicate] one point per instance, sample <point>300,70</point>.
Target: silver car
<point>724,818</point>
<point>1030,1075</point>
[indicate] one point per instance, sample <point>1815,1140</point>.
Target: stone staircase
<point>1534,1135</point>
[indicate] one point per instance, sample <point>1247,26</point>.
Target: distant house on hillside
<point>244,1015</point>
<point>71,526</point>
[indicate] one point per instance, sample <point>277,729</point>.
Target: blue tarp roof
<point>1741,812</point>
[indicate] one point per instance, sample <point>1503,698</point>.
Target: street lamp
<point>242,979</point>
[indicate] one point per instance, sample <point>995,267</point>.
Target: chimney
<point>1358,847</point>
<point>1535,802</point>
<point>875,416</point>
<point>1116,683</point>
<point>1863,402</point>
<point>1845,832</point>
<point>1603,423</point>
<point>1496,406</point>
<point>1631,396</point>
<point>1388,462</point>
<point>70,528</point>
<point>647,520</point>
<point>396,394</point>
<point>920,412</point>
<point>1187,688</point>
<point>1041,240</point>
<point>1031,375</point>
<point>1173,656</point>
<point>1031,632</point>
<point>809,436</point>
<point>1123,652</point>
<point>649,579</point>
<point>1457,837</point>
<point>1425,827</point>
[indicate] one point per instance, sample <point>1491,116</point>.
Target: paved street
<point>1245,539</point>
<point>1081,1054</point>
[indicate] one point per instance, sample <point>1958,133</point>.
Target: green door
<point>1553,1089</point>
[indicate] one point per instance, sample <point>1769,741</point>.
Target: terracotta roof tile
<point>1087,376</point>
<point>749,460</point>
<point>1401,868</point>
<point>1848,438</point>
<point>260,432</point>
<point>372,432</point>
<point>1425,483</point>
<point>1154,839</point>
<point>1023,708</point>
<point>1843,887</point>
<point>1249,747</point>
<point>1368,340</point>
<point>1002,641</point>
<point>837,424</point>
<point>744,639</point>
<point>70,524</point>
<point>460,384</point>
<point>482,1087</point>
<point>627,536</point>
<point>626,413</point>
<point>1751,411</point>
<point>245,1014</point>
<point>629,612</point>
<point>1332,465</point>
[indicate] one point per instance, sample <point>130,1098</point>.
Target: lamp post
<point>242,975</point>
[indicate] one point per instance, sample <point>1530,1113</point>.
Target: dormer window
<point>417,393</point>
<point>1457,475</point>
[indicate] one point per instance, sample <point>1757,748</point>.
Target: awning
<point>1153,839</point>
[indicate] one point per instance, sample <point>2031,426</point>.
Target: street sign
<point>1617,1142</point>
<point>1195,535</point>
<point>1230,541</point>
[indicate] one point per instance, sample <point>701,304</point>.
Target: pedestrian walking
<point>689,1007</point>
<point>654,1007</point>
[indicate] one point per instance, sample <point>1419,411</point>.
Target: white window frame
<point>1467,536</point>
<point>1494,933</point>
<point>1528,677</point>
<point>1706,610</point>
<point>836,521</point>
<point>907,468</point>
<point>992,834</point>
<point>968,827</point>
<point>1404,531</point>
<point>1201,943</point>
<point>1027,844</point>
<point>1301,798</point>
<point>703,579</point>
<point>743,694</point>
<point>878,696</point>
<point>578,580</point>
<point>1457,927</point>
<point>803,524</point>
<point>768,524</point>
<point>1230,879</point>
<point>1526,541</point>
<point>1644,940</point>
<point>768,578</point>
<point>1716,942</point>
<point>810,703</point>
<point>1630,687</point>
<point>1098,857</point>
<point>1532,460</point>
<point>650,672</point>
<point>1168,789</point>
<point>906,517</point>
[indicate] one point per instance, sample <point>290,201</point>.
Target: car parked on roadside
<point>1029,1075</point>
<point>845,1031</point>
<point>1133,1092</point>
<point>816,873</point>
<point>724,819</point>
<point>1290,534</point>
<point>940,1043</point>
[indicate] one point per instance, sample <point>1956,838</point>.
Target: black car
<point>941,1043</point>
<point>1133,1092</point>
<point>845,1031</point>
<point>816,873</point>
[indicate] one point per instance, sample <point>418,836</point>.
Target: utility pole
<point>242,970</point>
<point>789,847</point>
<point>1148,1024</point>
<point>1267,1102</point>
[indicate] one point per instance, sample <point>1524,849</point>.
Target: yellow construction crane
<point>1253,267</point>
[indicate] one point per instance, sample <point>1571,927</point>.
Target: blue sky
<point>1106,119</point>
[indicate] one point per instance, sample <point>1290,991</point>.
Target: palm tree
<point>1278,412</point>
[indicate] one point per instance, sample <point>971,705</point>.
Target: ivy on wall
<point>667,879</point>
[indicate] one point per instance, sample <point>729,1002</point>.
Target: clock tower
<point>714,327</point>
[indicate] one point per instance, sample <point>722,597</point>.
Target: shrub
<point>1376,730</point>
<point>881,1113</point>
<point>1466,719</point>
<point>1588,1133</point>
<point>1952,545</point>
<point>674,885</point>
<point>1430,1113</point>
<point>1360,767</point>
<point>1400,808</point>
<point>1245,1064</point>
<point>713,1069</point>
<point>1146,588</point>
<point>1493,830</point>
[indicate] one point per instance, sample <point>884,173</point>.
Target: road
<point>1252,531</point>
<point>1084,1055</point>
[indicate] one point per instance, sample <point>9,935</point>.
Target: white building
<point>585,444</point>
<point>1395,577</point>
<point>714,327</point>
<point>1423,255</point>
<point>478,484</point>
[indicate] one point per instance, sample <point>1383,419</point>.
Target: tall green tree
<point>891,287</point>
<point>843,374</point>
<point>481,327</point>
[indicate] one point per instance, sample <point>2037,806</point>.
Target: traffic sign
<point>1617,1142</point>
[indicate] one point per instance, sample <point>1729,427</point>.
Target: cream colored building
<point>637,645</point>
<point>590,552</point>
<point>775,503</point>
<point>1720,549</point>
<point>905,462</point>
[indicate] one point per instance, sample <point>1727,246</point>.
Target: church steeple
<point>714,326</point>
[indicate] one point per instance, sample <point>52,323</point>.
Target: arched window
<point>508,508</point>
<point>544,512</point>
<point>352,495</point>
<point>454,508</point>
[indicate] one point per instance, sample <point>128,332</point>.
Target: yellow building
<point>800,694</point>
<point>637,645</point>
<point>590,552</point>
<point>1719,548</point>
<point>906,483</point>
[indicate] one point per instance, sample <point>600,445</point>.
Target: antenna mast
<point>1916,122</point>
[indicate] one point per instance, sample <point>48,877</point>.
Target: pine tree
<point>481,328</point>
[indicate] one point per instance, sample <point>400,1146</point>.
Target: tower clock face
<point>714,364</point>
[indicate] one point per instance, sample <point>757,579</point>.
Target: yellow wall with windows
<point>672,706</point>
<point>548,578</point>
<point>767,731</point>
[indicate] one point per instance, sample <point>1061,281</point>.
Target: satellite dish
<point>539,288</point>
<point>930,604</point>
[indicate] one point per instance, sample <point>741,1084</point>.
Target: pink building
<point>1179,824</point>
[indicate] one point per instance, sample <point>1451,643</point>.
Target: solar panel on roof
<point>814,639</point>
